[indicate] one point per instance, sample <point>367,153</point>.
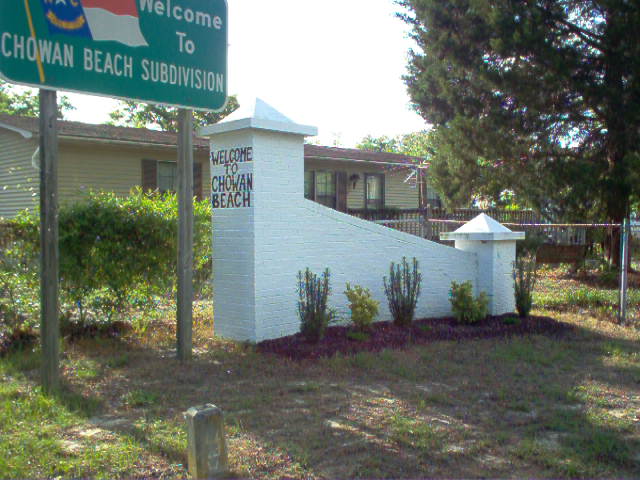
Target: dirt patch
<point>385,335</point>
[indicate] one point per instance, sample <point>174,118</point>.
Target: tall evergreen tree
<point>541,95</point>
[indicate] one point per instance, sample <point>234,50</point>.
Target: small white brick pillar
<point>257,178</point>
<point>495,246</point>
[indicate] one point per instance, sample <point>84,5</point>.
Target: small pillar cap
<point>483,228</point>
<point>258,115</point>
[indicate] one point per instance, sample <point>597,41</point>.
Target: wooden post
<point>185,235</point>
<point>49,318</point>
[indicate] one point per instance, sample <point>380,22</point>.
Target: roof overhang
<point>411,166</point>
<point>131,143</point>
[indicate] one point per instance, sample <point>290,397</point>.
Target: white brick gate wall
<point>259,249</point>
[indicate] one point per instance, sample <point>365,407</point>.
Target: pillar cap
<point>258,115</point>
<point>483,228</point>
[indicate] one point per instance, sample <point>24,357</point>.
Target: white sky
<point>334,64</point>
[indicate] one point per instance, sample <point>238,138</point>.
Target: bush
<point>403,290</point>
<point>466,309</point>
<point>19,294</point>
<point>313,292</point>
<point>115,253</point>
<point>364,309</point>
<point>525,273</point>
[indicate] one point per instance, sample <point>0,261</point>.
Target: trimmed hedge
<point>115,252</point>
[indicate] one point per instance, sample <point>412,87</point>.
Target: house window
<point>325,188</point>
<point>167,175</point>
<point>309,191</point>
<point>374,191</point>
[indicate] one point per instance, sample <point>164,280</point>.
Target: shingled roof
<point>334,153</point>
<point>110,133</point>
<point>88,131</point>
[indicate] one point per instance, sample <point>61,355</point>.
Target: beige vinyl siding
<point>397,193</point>
<point>86,166</point>
<point>19,181</point>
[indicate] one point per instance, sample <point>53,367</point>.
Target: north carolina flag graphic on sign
<point>100,20</point>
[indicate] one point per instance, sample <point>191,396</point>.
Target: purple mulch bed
<point>386,335</point>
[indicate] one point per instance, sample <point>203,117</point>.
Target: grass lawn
<point>521,407</point>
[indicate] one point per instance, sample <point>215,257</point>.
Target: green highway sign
<point>172,52</point>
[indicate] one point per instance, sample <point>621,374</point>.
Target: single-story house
<point>104,157</point>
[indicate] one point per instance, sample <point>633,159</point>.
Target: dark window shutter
<point>341,191</point>
<point>149,175</point>
<point>197,180</point>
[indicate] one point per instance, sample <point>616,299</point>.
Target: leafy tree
<point>380,144</point>
<point>25,102</point>
<point>540,95</point>
<point>143,115</point>
<point>417,144</point>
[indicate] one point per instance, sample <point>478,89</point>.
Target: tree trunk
<point>619,193</point>
<point>617,139</point>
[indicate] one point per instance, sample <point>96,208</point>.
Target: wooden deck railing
<point>430,223</point>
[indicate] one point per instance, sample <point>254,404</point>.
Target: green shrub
<point>116,253</point>
<point>525,274</point>
<point>313,292</point>
<point>465,308</point>
<point>19,294</point>
<point>402,290</point>
<point>364,309</point>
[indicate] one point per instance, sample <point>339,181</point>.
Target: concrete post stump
<point>207,448</point>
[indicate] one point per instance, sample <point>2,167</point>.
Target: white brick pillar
<point>257,177</point>
<point>495,246</point>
